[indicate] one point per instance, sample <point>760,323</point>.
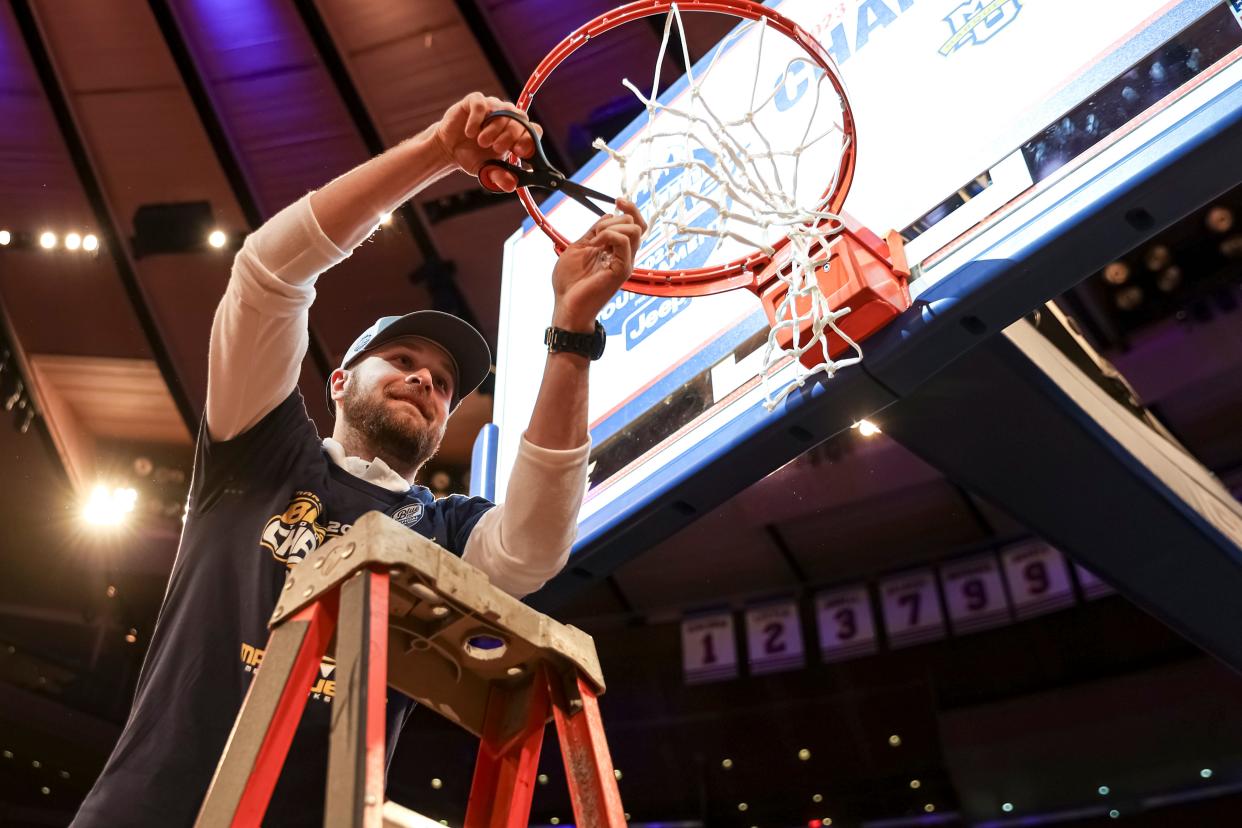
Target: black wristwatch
<point>589,345</point>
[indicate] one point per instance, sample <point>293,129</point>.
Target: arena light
<point>90,243</point>
<point>5,237</point>
<point>1007,807</point>
<point>867,429</point>
<point>1129,298</point>
<point>109,506</point>
<point>47,240</point>
<point>1116,273</point>
<point>217,239</point>
<point>385,218</point>
<point>73,241</point>
<point>1169,279</point>
<point>1158,257</point>
<point>1219,219</point>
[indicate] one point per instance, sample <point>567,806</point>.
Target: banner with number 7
<point>911,605</point>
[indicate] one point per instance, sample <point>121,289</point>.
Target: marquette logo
<point>299,529</point>
<point>977,21</point>
<point>324,687</point>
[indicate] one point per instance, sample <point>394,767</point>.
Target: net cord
<point>759,197</point>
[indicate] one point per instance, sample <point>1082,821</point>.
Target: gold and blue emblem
<point>976,22</point>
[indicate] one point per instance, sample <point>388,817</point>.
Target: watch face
<point>598,341</point>
<point>588,345</point>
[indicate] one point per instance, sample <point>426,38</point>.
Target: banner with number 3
<point>845,623</point>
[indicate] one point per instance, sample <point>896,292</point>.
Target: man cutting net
<point>267,490</point>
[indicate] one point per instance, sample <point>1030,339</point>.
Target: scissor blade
<point>583,196</point>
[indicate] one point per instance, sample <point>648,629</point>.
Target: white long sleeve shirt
<point>258,340</point>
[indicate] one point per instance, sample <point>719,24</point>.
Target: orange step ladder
<point>408,614</point>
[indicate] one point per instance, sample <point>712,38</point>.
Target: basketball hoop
<point>741,191</point>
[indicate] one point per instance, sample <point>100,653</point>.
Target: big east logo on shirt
<point>295,533</point>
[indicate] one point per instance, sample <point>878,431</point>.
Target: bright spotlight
<point>866,428</point>
<point>90,242</point>
<point>73,241</point>
<point>47,240</point>
<point>108,506</point>
<point>217,239</point>
<point>5,237</point>
<point>385,218</point>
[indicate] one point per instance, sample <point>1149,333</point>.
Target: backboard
<point>1017,145</point>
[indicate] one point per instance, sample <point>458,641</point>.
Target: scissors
<point>541,173</point>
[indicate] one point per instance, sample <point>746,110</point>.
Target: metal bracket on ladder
<point>408,614</point>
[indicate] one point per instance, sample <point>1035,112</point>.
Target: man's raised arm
<point>528,539</point>
<point>259,334</point>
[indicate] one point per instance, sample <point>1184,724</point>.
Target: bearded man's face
<point>397,398</point>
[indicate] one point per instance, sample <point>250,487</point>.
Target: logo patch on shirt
<point>296,532</point>
<point>323,687</point>
<point>409,515</point>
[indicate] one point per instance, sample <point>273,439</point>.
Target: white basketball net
<point>754,193</point>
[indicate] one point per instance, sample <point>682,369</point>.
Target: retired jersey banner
<point>911,604</point>
<point>845,623</point>
<point>975,594</point>
<point>1090,584</point>
<point>708,648</point>
<point>1038,578</point>
<point>774,637</point>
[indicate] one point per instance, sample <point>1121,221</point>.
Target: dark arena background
<point>974,607</point>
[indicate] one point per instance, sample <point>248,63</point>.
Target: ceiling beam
<point>787,554</point>
<point>109,226</point>
<point>18,362</point>
<point>360,115</point>
<point>223,147</point>
<point>325,46</point>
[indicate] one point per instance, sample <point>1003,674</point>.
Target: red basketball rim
<point>739,272</point>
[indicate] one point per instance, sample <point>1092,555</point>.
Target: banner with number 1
<point>708,647</point>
